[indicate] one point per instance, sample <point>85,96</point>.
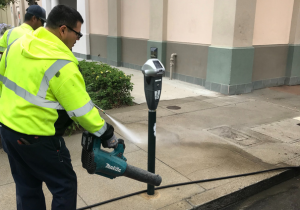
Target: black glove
<point>108,139</point>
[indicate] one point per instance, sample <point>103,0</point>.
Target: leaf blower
<point>111,164</point>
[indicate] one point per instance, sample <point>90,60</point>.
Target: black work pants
<point>46,159</point>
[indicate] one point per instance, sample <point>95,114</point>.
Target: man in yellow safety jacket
<point>35,17</point>
<point>42,91</point>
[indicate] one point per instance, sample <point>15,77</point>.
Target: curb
<point>228,200</point>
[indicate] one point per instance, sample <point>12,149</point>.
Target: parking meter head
<point>153,71</point>
<point>153,68</point>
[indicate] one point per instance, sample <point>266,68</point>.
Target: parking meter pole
<point>153,71</point>
<point>151,146</point>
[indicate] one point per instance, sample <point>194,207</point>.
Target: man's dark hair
<point>28,17</point>
<point>63,15</point>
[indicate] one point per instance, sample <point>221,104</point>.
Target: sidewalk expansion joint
<point>173,169</point>
<point>286,107</point>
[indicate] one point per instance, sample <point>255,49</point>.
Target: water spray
<point>125,131</point>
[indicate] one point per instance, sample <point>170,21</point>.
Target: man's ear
<point>62,30</point>
<point>33,18</point>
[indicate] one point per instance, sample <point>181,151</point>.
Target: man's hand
<point>110,143</point>
<point>108,139</point>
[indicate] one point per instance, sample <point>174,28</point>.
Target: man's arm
<point>69,89</point>
<point>3,42</point>
<point>2,71</point>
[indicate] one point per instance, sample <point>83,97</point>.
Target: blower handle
<point>142,175</point>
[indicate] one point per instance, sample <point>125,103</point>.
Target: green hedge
<point>107,86</point>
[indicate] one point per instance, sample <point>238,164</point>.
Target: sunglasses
<point>79,35</point>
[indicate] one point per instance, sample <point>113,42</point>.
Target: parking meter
<point>153,71</point>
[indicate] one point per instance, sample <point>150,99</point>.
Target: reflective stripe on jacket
<point>42,88</point>
<point>12,34</point>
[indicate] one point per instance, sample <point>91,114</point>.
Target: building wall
<point>135,19</point>
<point>257,38</point>
<point>190,21</point>
<point>271,37</point>
<point>189,36</point>
<point>6,16</point>
<point>98,17</point>
<point>272,22</point>
<point>98,29</point>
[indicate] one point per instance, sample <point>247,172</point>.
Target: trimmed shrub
<point>107,86</point>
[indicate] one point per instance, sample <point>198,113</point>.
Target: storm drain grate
<point>174,107</point>
<point>234,136</point>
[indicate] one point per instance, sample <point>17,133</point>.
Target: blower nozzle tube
<point>142,175</point>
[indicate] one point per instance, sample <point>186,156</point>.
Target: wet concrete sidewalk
<point>210,135</point>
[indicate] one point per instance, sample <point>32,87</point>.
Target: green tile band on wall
<point>230,66</point>
<point>82,56</point>
<point>161,47</point>
<point>114,50</point>
<point>293,65</point>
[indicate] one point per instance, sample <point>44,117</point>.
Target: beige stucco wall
<point>295,25</point>
<point>190,21</point>
<point>98,17</point>
<point>25,5</point>
<point>272,22</point>
<point>244,23</point>
<point>5,16</point>
<point>223,23</point>
<point>135,18</point>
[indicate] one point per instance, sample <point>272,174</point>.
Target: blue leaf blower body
<point>111,164</point>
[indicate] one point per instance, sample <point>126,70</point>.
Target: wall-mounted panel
<point>191,59</point>
<point>135,18</point>
<point>98,46</point>
<point>190,21</point>
<point>98,17</point>
<point>269,62</point>
<point>134,52</point>
<point>272,22</point>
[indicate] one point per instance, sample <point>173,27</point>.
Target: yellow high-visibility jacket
<point>42,88</point>
<point>12,34</point>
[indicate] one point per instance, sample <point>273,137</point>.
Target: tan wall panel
<point>223,23</point>
<point>134,51</point>
<point>9,15</point>
<point>272,22</point>
<point>158,20</point>
<point>295,25</point>
<point>191,59</point>
<point>269,62</point>
<point>98,17</point>
<point>135,18</point>
<point>244,23</point>
<point>4,17</point>
<point>190,21</point>
<point>1,16</point>
<point>25,5</point>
